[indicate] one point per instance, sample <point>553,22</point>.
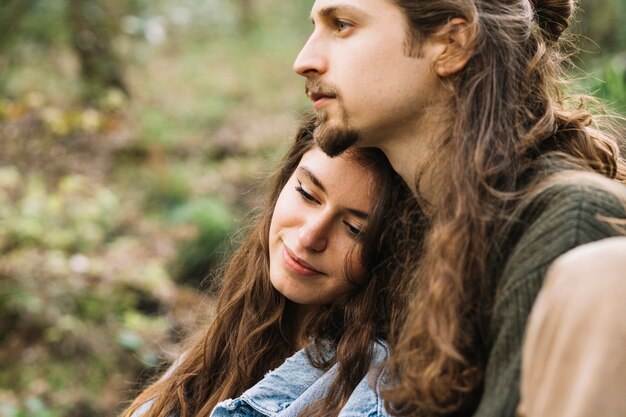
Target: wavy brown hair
<point>254,330</point>
<point>509,113</point>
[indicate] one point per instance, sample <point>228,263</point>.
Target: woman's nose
<point>313,234</point>
<point>311,60</point>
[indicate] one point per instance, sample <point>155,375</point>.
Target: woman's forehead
<point>344,176</point>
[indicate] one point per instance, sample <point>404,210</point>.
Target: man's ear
<point>457,38</point>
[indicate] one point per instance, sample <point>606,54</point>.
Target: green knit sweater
<point>560,217</point>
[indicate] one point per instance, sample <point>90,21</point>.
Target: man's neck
<point>415,152</point>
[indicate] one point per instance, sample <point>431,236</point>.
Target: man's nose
<point>313,234</point>
<point>311,60</point>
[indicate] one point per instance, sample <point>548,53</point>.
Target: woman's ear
<point>457,39</point>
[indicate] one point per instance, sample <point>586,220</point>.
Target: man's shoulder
<point>569,198</point>
<point>566,210</point>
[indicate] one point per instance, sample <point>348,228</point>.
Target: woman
<point>316,271</point>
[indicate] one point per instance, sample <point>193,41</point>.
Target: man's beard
<point>333,140</point>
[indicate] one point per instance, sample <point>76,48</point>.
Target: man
<point>464,97</point>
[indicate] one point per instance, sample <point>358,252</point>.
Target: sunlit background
<point>135,136</point>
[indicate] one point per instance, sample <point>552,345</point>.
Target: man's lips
<point>319,96</point>
<point>296,264</point>
<point>318,92</point>
<point>320,99</point>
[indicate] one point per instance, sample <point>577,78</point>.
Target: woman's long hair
<point>254,330</point>
<point>509,113</point>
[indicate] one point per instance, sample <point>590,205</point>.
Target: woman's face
<point>315,228</point>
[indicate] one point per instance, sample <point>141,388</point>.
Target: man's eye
<point>342,25</point>
<point>306,196</point>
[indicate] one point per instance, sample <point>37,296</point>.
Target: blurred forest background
<point>135,136</point>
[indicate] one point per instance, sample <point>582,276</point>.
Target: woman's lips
<point>297,265</point>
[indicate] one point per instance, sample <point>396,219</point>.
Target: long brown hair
<point>254,331</point>
<point>509,113</point>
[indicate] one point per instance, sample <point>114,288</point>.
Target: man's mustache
<point>315,86</point>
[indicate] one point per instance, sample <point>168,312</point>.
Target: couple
<point>318,275</point>
<point>363,301</point>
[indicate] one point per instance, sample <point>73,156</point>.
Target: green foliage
<point>602,28</point>
<point>608,82</point>
<point>74,216</point>
<point>102,205</point>
<point>67,318</point>
<point>37,21</point>
<point>166,188</point>
<point>214,224</point>
<point>107,208</point>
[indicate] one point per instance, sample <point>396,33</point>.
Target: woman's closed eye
<point>353,229</point>
<point>306,196</point>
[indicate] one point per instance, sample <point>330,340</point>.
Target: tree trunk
<point>246,15</point>
<point>92,34</point>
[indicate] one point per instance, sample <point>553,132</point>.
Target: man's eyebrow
<point>331,11</point>
<point>311,177</point>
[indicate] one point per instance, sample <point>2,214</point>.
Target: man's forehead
<point>323,6</point>
<point>356,9</point>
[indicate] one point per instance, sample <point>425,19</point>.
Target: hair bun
<point>553,16</point>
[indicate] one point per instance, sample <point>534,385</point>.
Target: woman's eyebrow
<point>309,174</point>
<point>358,213</point>
<point>311,177</point>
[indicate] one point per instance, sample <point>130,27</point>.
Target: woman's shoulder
<point>297,383</point>
<point>366,398</point>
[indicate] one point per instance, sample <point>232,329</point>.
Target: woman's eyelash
<point>304,194</point>
<point>356,231</point>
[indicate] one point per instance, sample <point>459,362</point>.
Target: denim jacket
<point>290,388</point>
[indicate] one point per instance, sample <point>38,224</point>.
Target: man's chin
<point>334,140</point>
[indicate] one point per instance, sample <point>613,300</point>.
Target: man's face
<point>365,86</point>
